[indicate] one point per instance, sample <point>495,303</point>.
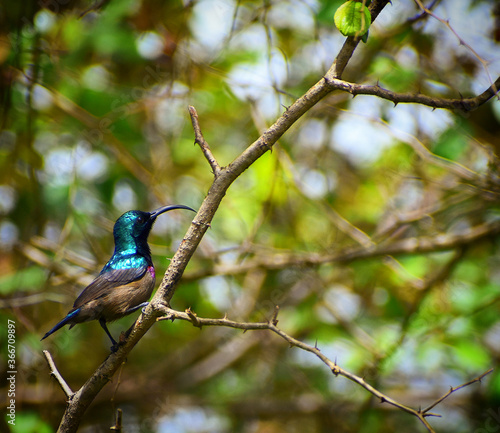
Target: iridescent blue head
<point>132,229</point>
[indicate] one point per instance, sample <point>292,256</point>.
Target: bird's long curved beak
<point>164,209</point>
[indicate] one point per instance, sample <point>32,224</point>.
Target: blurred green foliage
<point>95,122</point>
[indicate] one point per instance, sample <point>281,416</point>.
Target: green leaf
<point>353,19</point>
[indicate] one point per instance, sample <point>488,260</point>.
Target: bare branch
<point>200,140</point>
<point>484,63</point>
<point>452,390</point>
<point>190,316</point>
<point>57,376</point>
<point>423,15</point>
<point>118,423</point>
<point>463,105</point>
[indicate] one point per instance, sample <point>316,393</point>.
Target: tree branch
<point>484,63</point>
<point>118,422</point>
<point>200,140</point>
<point>54,372</point>
<point>463,105</point>
<point>452,390</point>
<point>271,325</point>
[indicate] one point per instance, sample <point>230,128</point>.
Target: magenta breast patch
<point>151,270</point>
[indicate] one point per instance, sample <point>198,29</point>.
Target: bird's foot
<point>121,341</point>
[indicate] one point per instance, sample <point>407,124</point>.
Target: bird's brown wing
<point>108,281</point>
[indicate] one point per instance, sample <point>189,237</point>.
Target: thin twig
<point>190,316</point>
<point>171,314</point>
<point>484,63</point>
<point>462,105</point>
<point>57,376</point>
<point>423,14</point>
<point>118,423</point>
<point>452,390</point>
<point>200,140</point>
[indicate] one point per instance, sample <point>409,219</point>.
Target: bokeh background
<point>94,122</point>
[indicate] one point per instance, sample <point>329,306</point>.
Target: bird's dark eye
<point>140,219</point>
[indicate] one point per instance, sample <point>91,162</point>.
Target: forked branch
<point>271,325</point>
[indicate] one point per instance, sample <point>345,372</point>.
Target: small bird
<point>126,282</point>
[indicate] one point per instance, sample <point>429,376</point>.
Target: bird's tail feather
<point>62,323</point>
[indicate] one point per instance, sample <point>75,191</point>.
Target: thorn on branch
<point>335,369</point>
<point>452,390</point>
